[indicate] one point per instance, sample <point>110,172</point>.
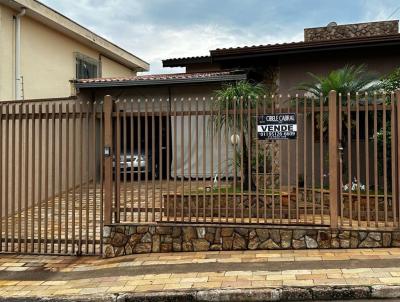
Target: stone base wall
<point>136,239</point>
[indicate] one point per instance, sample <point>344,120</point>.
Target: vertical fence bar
<point>226,160</point>
<point>2,178</point>
<point>204,159</point>
<point>39,201</point>
<point>117,174</point>
<point>53,174</point>
<point>305,159</point>
<point>385,182</point>
<point>19,181</point>
<point>376,181</point>
<point>190,159</point>
<point>333,160</point>
<point>101,178</point>
<point>153,161</point>
<point>160,155</point>
<point>7,167</point>
<point>197,157</point>
<point>212,159</point>
<point>349,159</point>
<point>33,177</point>
<point>60,171</point>
<point>88,162</point>
<point>139,138</point>
<point>219,173</point>
<point>288,144</point>
<point>94,189</point>
<point>146,151</point>
<point>257,175</point>
<point>168,163</point>
<point>280,144</point>
<point>73,227</point>
<point>234,156</point>
<point>242,179</point>
<point>358,169</point>
<point>82,127</point>
<point>313,100</point>
<point>124,139</point>
<point>108,159</point>
<point>398,150</point>
<point>175,150</point>
<point>67,171</point>
<point>297,165</point>
<point>182,156</point>
<point>367,158</point>
<point>341,203</point>
<point>393,156</point>
<point>132,145</point>
<point>249,154</point>
<point>321,149</point>
<point>272,151</point>
<point>264,177</point>
<point>12,199</point>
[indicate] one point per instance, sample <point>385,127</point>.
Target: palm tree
<point>241,95</point>
<point>349,79</point>
<point>346,80</point>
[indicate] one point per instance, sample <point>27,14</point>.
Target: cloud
<point>161,29</point>
<point>376,10</point>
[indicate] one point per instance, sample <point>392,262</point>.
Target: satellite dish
<point>331,24</point>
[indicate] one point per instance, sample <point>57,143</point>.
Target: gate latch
<point>107,151</point>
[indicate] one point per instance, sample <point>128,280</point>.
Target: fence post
<point>334,177</point>
<point>108,159</point>
<point>397,136</point>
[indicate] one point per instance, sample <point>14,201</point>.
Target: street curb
<point>235,295</point>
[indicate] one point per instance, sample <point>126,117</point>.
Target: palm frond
<point>349,79</point>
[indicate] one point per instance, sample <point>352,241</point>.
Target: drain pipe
<point>17,85</point>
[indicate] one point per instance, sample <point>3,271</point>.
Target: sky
<point>160,29</point>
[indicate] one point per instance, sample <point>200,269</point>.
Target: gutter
<point>17,55</point>
<point>133,83</point>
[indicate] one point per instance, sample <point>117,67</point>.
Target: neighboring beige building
<point>41,51</point>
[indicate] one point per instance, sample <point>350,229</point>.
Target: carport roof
<point>163,79</point>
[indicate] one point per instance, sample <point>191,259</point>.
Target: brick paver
<point>31,275</point>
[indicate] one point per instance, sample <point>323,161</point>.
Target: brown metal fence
<point>199,161</point>
<point>51,197</point>
<point>369,166</point>
<point>196,160</point>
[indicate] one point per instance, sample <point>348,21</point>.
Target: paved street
<point>34,276</point>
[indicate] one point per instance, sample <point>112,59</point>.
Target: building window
<point>86,67</point>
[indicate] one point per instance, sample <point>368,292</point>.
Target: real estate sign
<point>277,126</point>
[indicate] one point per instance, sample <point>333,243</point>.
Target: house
<point>41,51</point>
<point>280,66</point>
<point>283,66</point>
<point>167,93</point>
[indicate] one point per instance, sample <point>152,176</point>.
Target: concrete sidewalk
<point>205,276</point>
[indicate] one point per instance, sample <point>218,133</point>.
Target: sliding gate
<point>51,192</point>
<point>207,160</point>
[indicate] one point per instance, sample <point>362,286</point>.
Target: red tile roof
<point>160,78</point>
<point>282,48</point>
<point>285,48</point>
